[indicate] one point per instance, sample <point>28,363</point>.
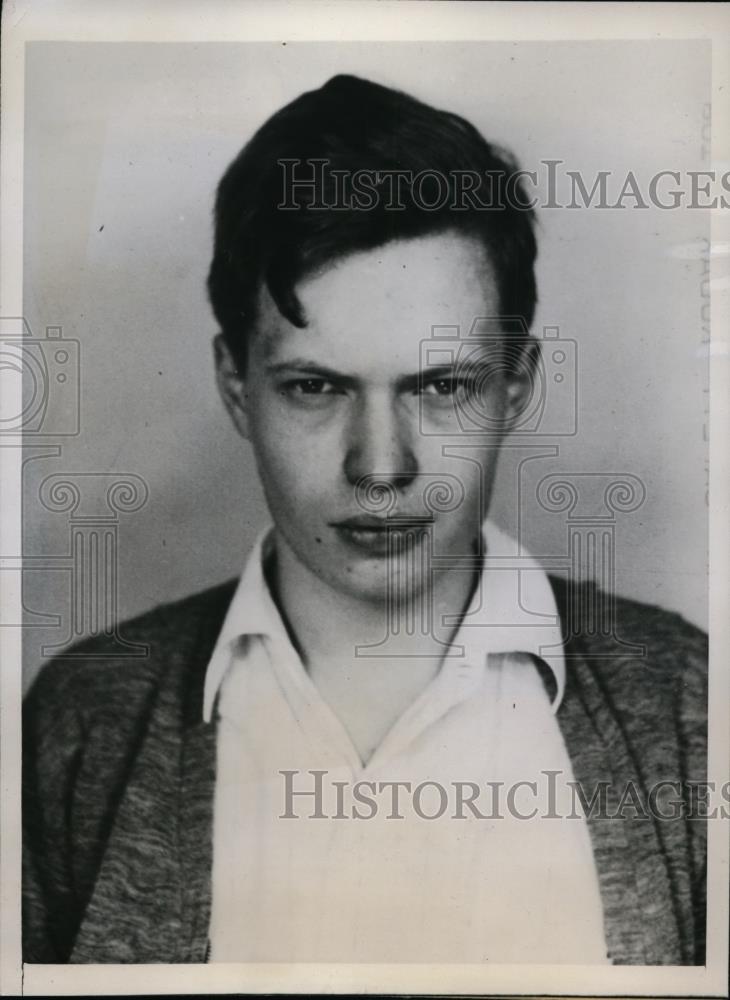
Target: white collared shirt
<point>372,877</point>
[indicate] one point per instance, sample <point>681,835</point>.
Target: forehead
<point>370,311</point>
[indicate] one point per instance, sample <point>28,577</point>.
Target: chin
<point>377,584</point>
<point>363,582</point>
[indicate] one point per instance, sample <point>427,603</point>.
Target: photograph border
<point>362,20</point>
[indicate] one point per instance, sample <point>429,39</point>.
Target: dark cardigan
<point>119,771</point>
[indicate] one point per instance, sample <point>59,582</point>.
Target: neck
<point>329,624</point>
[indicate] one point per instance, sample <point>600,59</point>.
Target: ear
<point>521,381</point>
<point>232,386</point>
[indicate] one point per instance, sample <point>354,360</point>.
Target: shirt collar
<point>251,612</point>
<point>513,610</point>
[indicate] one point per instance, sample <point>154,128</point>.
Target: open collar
<point>513,610</point>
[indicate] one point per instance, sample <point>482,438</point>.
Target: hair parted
<point>354,125</point>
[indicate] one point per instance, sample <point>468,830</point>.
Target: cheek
<point>467,479</point>
<point>295,467</point>
<point>467,459</point>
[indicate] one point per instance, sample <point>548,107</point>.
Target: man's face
<point>345,404</point>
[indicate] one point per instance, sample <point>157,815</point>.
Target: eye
<point>309,386</point>
<point>444,387</point>
<point>309,389</point>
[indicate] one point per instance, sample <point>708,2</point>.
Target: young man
<point>308,766</point>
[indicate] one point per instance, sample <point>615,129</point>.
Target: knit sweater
<point>119,774</point>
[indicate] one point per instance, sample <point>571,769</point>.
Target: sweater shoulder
<point>658,627</point>
<point>104,671</point>
<point>625,622</point>
<point>650,662</point>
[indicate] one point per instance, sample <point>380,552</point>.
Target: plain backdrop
<point>124,145</point>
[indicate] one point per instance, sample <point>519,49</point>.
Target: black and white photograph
<point>365,537</point>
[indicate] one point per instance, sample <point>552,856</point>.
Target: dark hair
<point>355,125</point>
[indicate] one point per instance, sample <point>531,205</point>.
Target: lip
<point>378,536</point>
<point>366,521</point>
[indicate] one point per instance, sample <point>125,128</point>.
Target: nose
<point>379,444</point>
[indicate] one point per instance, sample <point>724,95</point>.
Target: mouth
<point>380,536</point>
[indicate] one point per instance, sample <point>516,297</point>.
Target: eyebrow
<point>302,364</point>
<point>403,382</point>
